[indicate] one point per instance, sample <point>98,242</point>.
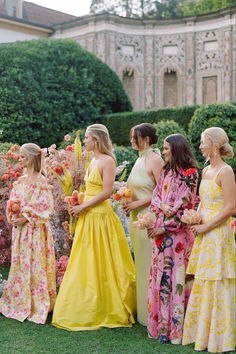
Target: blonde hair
<point>100,133</point>
<point>34,154</point>
<point>219,137</point>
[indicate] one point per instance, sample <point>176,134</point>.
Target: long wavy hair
<point>101,134</point>
<point>182,156</point>
<point>34,155</point>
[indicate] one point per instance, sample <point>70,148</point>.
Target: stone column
<point>233,46</point>
<point>111,52</point>
<point>101,46</point>
<point>149,72</point>
<point>189,71</point>
<point>227,64</point>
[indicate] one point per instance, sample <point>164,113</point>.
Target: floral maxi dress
<point>168,290</point>
<point>30,292</point>
<point>210,319</point>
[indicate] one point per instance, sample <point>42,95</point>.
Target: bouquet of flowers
<point>145,221</point>
<point>13,208</point>
<point>124,195</point>
<point>191,217</point>
<point>76,198</point>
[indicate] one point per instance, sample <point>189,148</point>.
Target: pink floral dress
<point>168,290</point>
<point>30,292</point>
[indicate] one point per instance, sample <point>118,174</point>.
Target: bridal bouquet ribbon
<point>191,217</point>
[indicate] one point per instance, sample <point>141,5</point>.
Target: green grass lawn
<point>27,337</point>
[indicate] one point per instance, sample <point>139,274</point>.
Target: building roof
<point>40,15</point>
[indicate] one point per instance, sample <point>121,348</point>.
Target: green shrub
<point>49,87</point>
<point>119,125</point>
<point>221,115</point>
<point>125,154</point>
<point>165,128</point>
<point>4,147</point>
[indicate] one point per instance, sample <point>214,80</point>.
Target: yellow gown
<point>142,186</point>
<point>98,288</point>
<point>210,319</point>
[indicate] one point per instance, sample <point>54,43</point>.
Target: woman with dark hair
<point>141,181</point>
<point>168,289</point>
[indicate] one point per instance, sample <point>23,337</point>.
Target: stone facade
<point>164,63</point>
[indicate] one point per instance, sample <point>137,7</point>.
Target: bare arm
<point>154,164</point>
<point>107,169</point>
<point>227,181</point>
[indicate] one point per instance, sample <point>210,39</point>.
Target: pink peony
<point>67,137</point>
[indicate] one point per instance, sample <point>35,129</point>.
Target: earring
<point>215,152</point>
<point>145,145</point>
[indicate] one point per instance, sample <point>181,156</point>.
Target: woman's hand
<point>198,229</point>
<point>130,206</point>
<point>19,221</point>
<point>155,232</point>
<point>167,210</point>
<point>76,210</point>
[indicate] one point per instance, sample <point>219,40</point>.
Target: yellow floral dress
<point>98,288</point>
<point>30,292</point>
<point>210,316</point>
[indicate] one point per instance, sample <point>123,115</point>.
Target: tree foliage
<point>221,115</point>
<point>49,87</point>
<point>164,9</point>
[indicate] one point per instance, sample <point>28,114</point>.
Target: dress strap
<point>219,172</point>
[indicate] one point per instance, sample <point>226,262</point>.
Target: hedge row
<point>119,124</point>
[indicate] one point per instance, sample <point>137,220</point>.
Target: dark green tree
<point>50,87</point>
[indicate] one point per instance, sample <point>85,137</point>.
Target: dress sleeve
<point>39,208</point>
<point>184,195</point>
<point>156,197</point>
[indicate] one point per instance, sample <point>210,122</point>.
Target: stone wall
<point>164,63</point>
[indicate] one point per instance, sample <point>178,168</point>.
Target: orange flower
<point>117,196</point>
<point>1,218</point>
<point>128,193</point>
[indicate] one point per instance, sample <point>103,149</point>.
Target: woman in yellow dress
<point>98,288</point>
<point>210,316</point>
<point>142,180</point>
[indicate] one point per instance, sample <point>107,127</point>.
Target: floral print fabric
<point>168,289</point>
<point>210,318</point>
<point>30,292</point>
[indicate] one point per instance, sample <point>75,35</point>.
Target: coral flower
<point>69,148</point>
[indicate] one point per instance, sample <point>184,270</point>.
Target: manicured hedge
<point>165,128</point>
<point>221,115</point>
<point>50,87</point>
<point>119,125</point>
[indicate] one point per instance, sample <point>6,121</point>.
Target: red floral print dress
<point>168,290</point>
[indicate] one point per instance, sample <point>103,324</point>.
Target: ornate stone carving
<point>128,79</point>
<point>174,55</point>
<point>129,49</point>
<point>209,59</point>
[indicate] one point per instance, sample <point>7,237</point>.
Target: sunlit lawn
<point>27,337</point>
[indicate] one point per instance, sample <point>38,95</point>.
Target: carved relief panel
<point>129,49</point>
<point>170,50</point>
<point>209,50</point>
